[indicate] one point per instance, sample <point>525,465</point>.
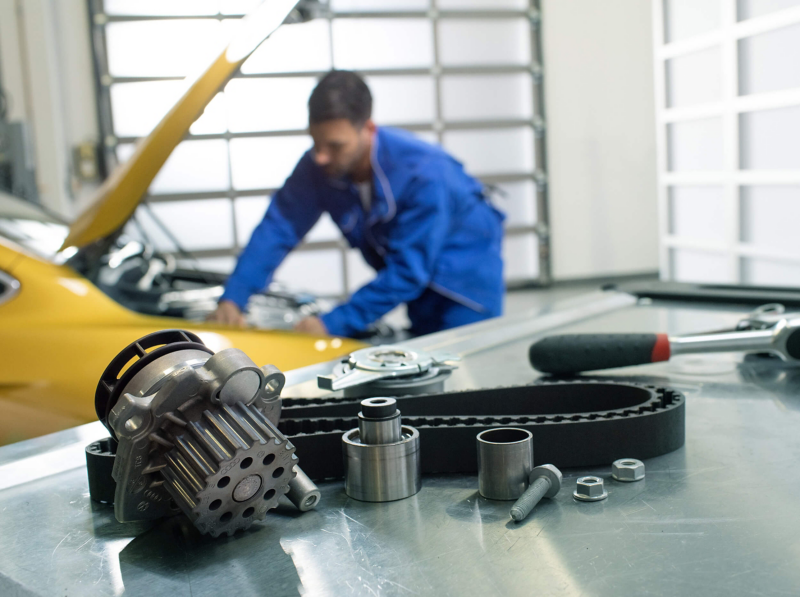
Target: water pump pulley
<point>195,432</point>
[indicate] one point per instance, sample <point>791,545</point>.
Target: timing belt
<point>574,424</point>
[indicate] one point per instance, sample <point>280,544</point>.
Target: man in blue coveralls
<point>417,217</point>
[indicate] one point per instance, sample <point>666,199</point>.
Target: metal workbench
<point>720,516</point>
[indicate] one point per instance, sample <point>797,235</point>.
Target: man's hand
<point>228,312</point>
<point>311,325</point>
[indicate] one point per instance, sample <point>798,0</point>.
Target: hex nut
<point>627,470</point>
<point>590,489</point>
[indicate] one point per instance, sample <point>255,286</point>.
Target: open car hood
<point>120,194</point>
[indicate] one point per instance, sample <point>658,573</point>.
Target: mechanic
<point>417,217</point>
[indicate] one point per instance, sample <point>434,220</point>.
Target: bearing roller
<point>381,456</point>
<point>196,432</point>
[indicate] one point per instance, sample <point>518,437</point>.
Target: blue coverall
<point>430,234</point>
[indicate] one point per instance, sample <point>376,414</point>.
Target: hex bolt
<point>545,481</point>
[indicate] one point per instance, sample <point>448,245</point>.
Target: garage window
<point>461,73</point>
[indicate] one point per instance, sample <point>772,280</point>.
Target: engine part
<point>761,332</point>
<point>545,481</point>
<point>303,493</point>
<point>590,489</point>
<point>574,424</point>
<point>381,456</point>
<point>627,470</point>
<point>505,460</point>
<point>389,371</point>
<point>275,308</point>
<point>197,432</point>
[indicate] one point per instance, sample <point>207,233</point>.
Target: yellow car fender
<point>59,332</point>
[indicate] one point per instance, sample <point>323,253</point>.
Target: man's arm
<point>419,231</point>
<point>294,209</point>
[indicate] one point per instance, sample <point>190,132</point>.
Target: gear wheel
<point>228,469</point>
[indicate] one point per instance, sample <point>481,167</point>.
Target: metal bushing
<point>627,470</point>
<point>505,461</point>
<point>381,456</point>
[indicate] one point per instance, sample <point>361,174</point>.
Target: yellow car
<point>58,331</point>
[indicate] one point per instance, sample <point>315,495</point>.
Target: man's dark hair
<point>340,94</point>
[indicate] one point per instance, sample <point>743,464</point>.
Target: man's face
<point>339,147</point>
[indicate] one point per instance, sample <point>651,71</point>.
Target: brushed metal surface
<point>670,534</point>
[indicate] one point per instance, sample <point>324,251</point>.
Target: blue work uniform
<point>431,235</point>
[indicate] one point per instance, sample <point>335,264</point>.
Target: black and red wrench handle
<point>572,353</point>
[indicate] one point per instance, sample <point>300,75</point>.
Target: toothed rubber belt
<point>574,424</point>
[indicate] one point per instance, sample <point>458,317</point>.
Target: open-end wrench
<point>574,353</point>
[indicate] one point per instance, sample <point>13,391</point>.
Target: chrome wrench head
<point>786,340</point>
<point>781,339</point>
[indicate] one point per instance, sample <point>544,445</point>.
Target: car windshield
<point>29,225</point>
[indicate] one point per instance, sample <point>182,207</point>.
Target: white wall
<point>600,137</point>
<point>45,62</point>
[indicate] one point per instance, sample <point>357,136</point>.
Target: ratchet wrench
<point>766,330</point>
